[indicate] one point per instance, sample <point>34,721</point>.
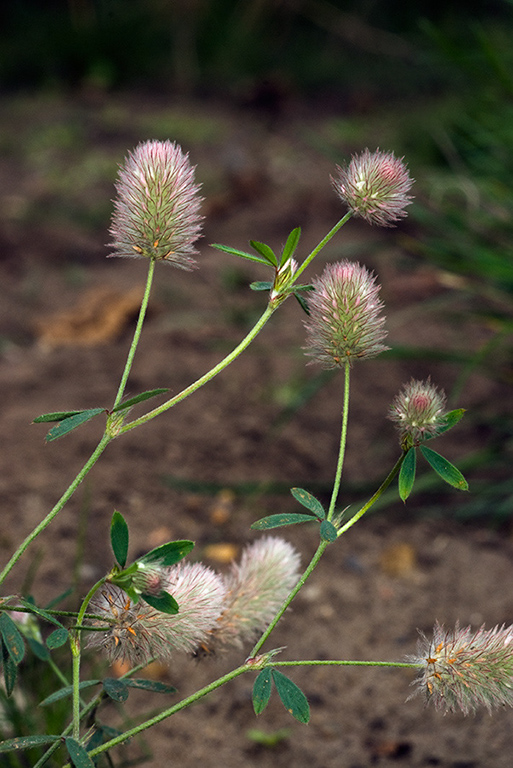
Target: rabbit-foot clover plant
<point>160,605</point>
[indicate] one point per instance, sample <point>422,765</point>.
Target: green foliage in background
<point>197,44</point>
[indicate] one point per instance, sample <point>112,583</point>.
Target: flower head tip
<point>345,320</point>
<point>418,411</point>
<point>156,211</point>
<point>375,186</point>
<point>466,670</point>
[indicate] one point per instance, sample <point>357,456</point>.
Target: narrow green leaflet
<point>163,602</point>
<point>451,419</point>
<point>62,693</point>
<point>57,638</point>
<point>328,531</point>
<point>444,468</point>
<point>168,554</point>
<point>27,742</point>
<point>72,422</point>
<point>140,398</point>
<point>10,669</point>
<point>265,251</point>
<point>242,254</point>
<point>302,302</point>
<point>262,690</point>
<point>291,244</point>
<point>155,686</point>
<point>78,754</point>
<point>119,538</point>
<point>292,697</point>
<point>55,416</point>
<point>276,521</point>
<point>117,690</point>
<point>261,285</point>
<point>12,637</point>
<point>40,612</point>
<point>310,502</point>
<point>407,474</point>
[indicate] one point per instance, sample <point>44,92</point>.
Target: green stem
<point>339,663</point>
<point>322,546</point>
<point>343,441</point>
<point>75,644</point>
<point>312,564</point>
<point>57,508</point>
<point>86,708</point>
<point>137,334</point>
<point>206,377</point>
<point>172,710</point>
<point>325,240</point>
<point>382,488</point>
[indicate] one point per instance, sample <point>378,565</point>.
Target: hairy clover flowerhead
<point>137,632</point>
<point>375,186</point>
<point>345,316</point>
<point>465,670</point>
<point>418,411</point>
<point>213,610</point>
<point>156,211</point>
<point>255,589</point>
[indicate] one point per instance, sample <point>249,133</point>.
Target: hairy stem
<point>382,488</point>
<point>343,441</point>
<point>68,493</point>
<point>325,240</point>
<point>137,333</point>
<point>206,377</point>
<point>172,710</point>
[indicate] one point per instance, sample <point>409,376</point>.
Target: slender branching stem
<point>206,377</point>
<point>382,488</point>
<point>192,699</point>
<point>325,240</point>
<point>343,441</point>
<point>137,334</point>
<point>68,493</point>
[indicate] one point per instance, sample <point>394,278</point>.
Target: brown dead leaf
<point>99,317</point>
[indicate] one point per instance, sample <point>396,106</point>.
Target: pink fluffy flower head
<point>465,670</point>
<point>375,186</point>
<point>418,411</point>
<point>156,211</point>
<point>137,633</point>
<point>346,320</point>
<point>213,611</point>
<point>255,589</point>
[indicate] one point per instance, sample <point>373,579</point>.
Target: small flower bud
<point>345,319</point>
<point>256,588</point>
<point>150,578</point>
<point>418,411</point>
<point>283,277</point>
<point>138,633</point>
<point>375,187</point>
<point>156,212</point>
<point>466,670</point>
